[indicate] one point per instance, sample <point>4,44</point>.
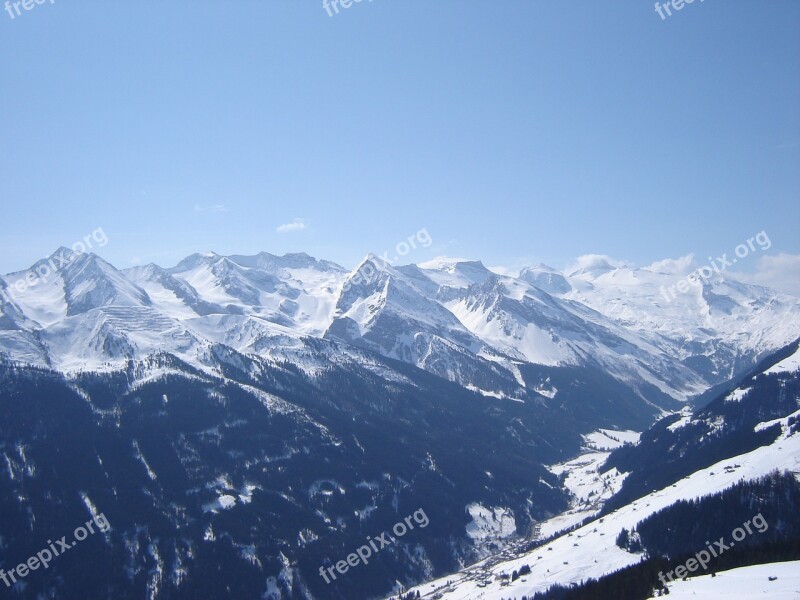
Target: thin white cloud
<point>297,224</point>
<point>213,208</point>
<point>673,266</point>
<point>779,271</point>
<point>590,262</point>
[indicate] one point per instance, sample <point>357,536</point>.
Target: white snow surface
<point>736,395</point>
<point>686,418</point>
<point>744,583</point>
<point>789,364</point>
<point>609,439</point>
<point>490,523</point>
<point>223,502</point>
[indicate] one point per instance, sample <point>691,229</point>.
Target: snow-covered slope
<point>294,290</point>
<point>776,581</point>
<point>726,442</point>
<point>590,551</point>
<point>388,313</point>
<point>529,325</point>
<point>789,364</point>
<point>396,313</point>
<point>716,327</point>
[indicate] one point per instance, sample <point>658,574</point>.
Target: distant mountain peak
<point>594,265</point>
<point>546,278</point>
<point>449,263</point>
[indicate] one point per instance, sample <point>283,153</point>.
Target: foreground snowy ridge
<point>776,581</point>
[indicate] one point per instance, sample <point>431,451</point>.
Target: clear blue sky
<point>535,129</point>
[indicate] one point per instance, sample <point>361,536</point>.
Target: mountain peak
<point>546,279</point>
<point>61,251</point>
<point>456,272</point>
<point>441,263</point>
<point>594,265</point>
<point>375,260</point>
<point>541,268</point>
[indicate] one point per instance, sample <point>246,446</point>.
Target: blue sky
<point>513,132</point>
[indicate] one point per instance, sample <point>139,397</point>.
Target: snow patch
<point>224,502</point>
<point>609,439</point>
<point>789,364</point>
<point>490,523</point>
<point>776,581</point>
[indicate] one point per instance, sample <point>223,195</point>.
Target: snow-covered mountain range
<point>268,412</point>
<point>454,318</point>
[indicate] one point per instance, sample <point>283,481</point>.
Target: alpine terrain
<point>245,424</point>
